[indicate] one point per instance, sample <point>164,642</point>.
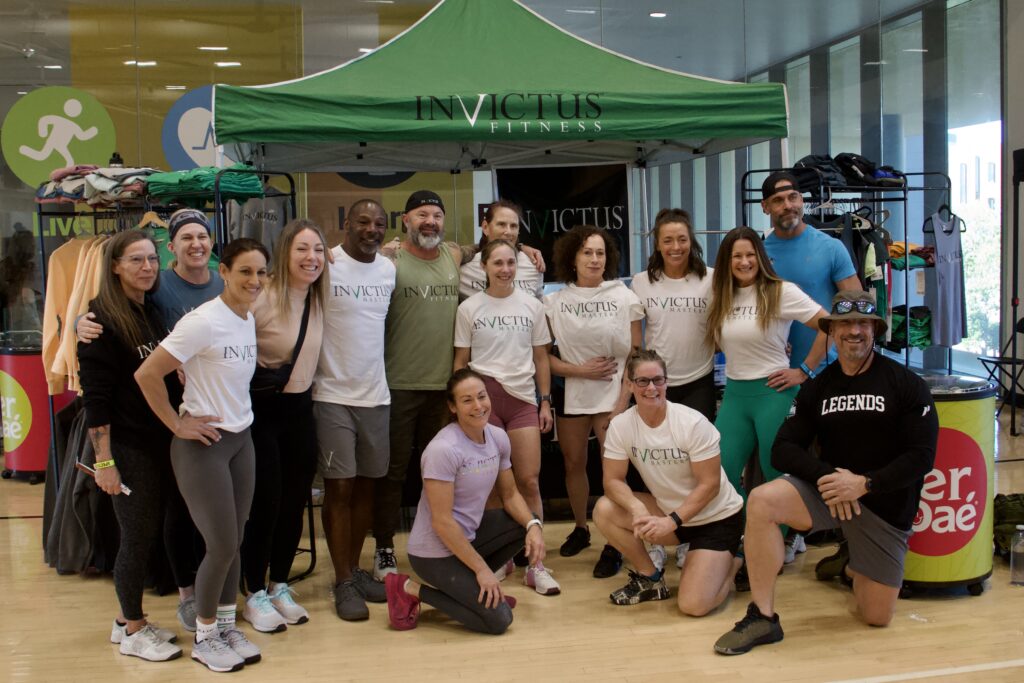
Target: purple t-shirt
<point>473,469</point>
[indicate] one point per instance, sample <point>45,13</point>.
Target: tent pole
<point>645,214</point>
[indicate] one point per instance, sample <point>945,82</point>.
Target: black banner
<point>555,199</point>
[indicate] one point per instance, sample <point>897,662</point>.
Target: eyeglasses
<point>844,307</point>
<point>645,381</point>
<point>137,261</point>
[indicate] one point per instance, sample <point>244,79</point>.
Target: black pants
<point>284,438</point>
<point>698,394</point>
<point>453,588</point>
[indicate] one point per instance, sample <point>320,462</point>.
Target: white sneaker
<point>147,644</point>
<point>384,563</point>
<point>119,633</point>
<point>504,570</point>
<point>281,599</point>
<point>216,655</point>
<point>539,578</point>
<point>794,545</point>
<point>260,612</point>
<point>681,551</point>
<point>242,646</point>
<point>657,554</point>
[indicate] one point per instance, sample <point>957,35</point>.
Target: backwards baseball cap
<point>768,187</point>
<point>421,197</point>
<point>182,217</point>
<point>853,304</point>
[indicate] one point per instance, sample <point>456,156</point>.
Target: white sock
<point>204,631</point>
<point>272,588</point>
<point>226,616</point>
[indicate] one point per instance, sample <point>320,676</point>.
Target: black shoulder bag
<point>269,381</point>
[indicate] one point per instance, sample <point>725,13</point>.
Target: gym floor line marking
<point>22,517</point>
<point>914,675</point>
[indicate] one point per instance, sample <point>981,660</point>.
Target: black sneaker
<point>575,542</point>
<point>639,589</point>
<point>742,580</point>
<point>833,566</point>
<point>752,630</point>
<point>608,564</point>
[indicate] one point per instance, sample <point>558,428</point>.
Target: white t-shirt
<point>677,320</point>
<point>589,322</point>
<point>662,456</point>
<point>750,352</point>
<point>351,367</point>
<point>501,333</point>
<point>217,350</point>
<point>528,278</point>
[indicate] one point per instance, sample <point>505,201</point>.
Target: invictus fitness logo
<point>516,112</point>
<point>954,496</point>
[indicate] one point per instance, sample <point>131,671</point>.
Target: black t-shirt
<point>881,423</point>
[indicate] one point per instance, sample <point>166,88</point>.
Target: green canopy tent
<point>478,85</point>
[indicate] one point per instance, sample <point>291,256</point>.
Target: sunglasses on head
<point>844,307</point>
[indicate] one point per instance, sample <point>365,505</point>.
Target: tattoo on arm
<point>100,439</point>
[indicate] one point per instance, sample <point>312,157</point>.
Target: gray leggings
<point>453,588</point>
<point>217,482</point>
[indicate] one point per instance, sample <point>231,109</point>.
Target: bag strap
<point>302,337</point>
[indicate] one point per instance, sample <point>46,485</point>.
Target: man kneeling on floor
<point>876,428</point>
<point>675,450</point>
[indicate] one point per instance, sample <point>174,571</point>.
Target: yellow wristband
<point>104,464</point>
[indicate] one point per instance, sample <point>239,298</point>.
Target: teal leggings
<point>750,415</point>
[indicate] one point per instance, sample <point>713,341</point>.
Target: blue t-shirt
<point>814,262</point>
<point>176,297</point>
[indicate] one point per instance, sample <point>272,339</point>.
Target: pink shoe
<point>510,601</point>
<point>403,609</point>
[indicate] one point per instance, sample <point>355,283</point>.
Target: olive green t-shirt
<point>420,328</point>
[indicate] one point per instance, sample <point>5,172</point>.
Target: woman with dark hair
<point>212,451</point>
<point>283,432</point>
<point>595,321</point>
<point>749,319</point>
<point>675,291</point>
<point>501,334</point>
<point>456,545</point>
<point>502,221</point>
<point>131,444</point>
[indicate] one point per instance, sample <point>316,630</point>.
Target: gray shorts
<point>877,548</point>
<point>353,440</point>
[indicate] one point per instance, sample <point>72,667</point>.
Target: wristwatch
<point>807,371</point>
<point>867,483</point>
<point>546,397</point>
<point>675,518</point>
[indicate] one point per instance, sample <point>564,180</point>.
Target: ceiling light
<point>379,2</point>
<point>52,66</point>
<point>581,11</point>
<point>365,50</point>
<point>213,48</point>
<point>881,63</point>
<point>916,49</point>
<point>224,65</point>
<point>22,92</point>
<point>658,15</point>
<point>149,63</point>
<point>175,87</point>
<point>130,62</point>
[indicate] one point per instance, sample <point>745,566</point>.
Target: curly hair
<point>568,246</point>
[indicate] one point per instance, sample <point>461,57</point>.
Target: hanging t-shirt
<point>260,218</point>
<point>501,333</point>
<point>177,296</point>
<point>677,320</point>
<point>589,322</point>
<point>662,455</point>
<point>218,352</point>
<point>814,262</point>
<point>528,278</point>
<point>472,468</point>
<point>947,303</point>
<point>351,367</point>
<point>753,353</point>
<point>421,321</point>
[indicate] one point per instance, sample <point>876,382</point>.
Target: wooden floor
<point>55,628</point>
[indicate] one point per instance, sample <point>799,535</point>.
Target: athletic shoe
<point>260,612</point>
<point>384,563</point>
<point>349,602</point>
<point>187,614</point>
<point>504,570</point>
<point>119,632</point>
<point>657,554</point>
<point>681,551</point>
<point>539,579</point>
<point>752,630</point>
<point>834,565</point>
<point>608,564</point>
<point>148,644</point>
<point>575,542</point>
<point>742,580</point>
<point>403,609</point>
<point>216,655</point>
<point>282,600</point>
<point>372,591</point>
<point>794,546</point>
<point>639,589</point>
<point>242,646</point>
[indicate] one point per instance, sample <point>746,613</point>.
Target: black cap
<point>421,197</point>
<point>768,186</point>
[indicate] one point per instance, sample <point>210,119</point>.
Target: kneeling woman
<point>675,450</point>
<point>455,544</point>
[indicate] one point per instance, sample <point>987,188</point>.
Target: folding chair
<point>1006,370</point>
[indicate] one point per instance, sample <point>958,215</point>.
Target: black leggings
<point>455,590</point>
<point>147,472</point>
<point>284,436</point>
<point>698,394</point>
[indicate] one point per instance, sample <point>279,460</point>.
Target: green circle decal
<point>16,411</point>
<point>54,127</point>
